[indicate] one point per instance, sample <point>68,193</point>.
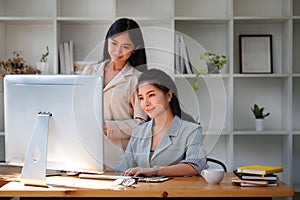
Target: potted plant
<point>43,64</point>
<point>214,62</point>
<point>259,115</point>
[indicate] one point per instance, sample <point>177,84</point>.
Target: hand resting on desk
<point>139,171</point>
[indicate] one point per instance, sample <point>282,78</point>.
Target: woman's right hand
<point>138,171</point>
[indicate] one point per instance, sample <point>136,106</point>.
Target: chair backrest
<point>217,162</point>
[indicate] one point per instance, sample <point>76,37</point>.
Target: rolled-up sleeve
<point>195,154</point>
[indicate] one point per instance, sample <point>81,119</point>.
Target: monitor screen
<point>75,136</point>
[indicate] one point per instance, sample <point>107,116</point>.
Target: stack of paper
<point>256,175</point>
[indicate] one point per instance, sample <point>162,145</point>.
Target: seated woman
<point>166,145</point>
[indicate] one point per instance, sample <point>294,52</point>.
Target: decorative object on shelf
<point>259,115</point>
<point>256,54</point>
<point>45,55</point>
<point>214,63</point>
<point>17,65</point>
<point>43,64</point>
<point>80,65</point>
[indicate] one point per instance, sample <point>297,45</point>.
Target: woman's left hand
<point>138,171</point>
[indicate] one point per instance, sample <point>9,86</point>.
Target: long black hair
<point>163,82</point>
<point>138,58</point>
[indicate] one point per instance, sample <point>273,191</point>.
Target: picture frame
<point>256,54</point>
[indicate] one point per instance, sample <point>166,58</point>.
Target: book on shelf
<point>71,47</point>
<point>61,58</point>
<point>267,177</point>
<point>182,61</point>
<point>178,67</point>
<point>185,56</point>
<point>66,57</point>
<point>259,169</point>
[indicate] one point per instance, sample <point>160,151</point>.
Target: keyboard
<point>104,176</point>
<point>115,177</point>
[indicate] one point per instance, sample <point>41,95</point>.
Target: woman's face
<point>152,100</point>
<point>120,47</point>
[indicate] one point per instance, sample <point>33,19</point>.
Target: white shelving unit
<point>28,26</point>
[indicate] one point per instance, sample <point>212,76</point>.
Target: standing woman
<point>166,145</point>
<point>123,51</point>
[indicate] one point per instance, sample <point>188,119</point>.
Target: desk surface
<point>61,186</point>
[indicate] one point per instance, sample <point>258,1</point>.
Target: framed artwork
<point>256,54</point>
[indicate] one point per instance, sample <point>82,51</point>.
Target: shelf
<point>217,147</point>
<point>201,8</point>
<point>208,104</point>
<point>28,8</point>
<point>296,161</point>
<point>296,46</point>
<point>204,19</point>
<point>201,36</point>
<point>296,132</point>
<point>29,39</point>
<point>207,76</point>
<point>145,8</point>
<point>270,96</point>
<point>91,47</point>
<point>260,133</point>
<point>296,105</point>
<point>265,8</point>
<point>29,20</point>
<point>215,132</point>
<point>83,20</point>
<point>100,9</point>
<point>280,39</point>
<point>296,8</point>
<point>261,75</point>
<point>259,20</point>
<point>296,187</point>
<point>258,149</point>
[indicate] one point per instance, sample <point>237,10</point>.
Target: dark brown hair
<point>138,58</point>
<point>162,81</point>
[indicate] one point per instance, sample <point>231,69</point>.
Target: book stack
<point>257,175</point>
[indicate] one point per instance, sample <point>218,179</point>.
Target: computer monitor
<point>75,135</point>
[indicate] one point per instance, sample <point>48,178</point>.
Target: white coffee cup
<point>213,176</point>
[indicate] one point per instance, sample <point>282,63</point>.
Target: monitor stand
<point>35,164</point>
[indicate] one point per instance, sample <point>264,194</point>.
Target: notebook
<point>259,169</point>
<point>267,177</point>
<point>241,182</point>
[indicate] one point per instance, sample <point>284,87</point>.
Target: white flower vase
<point>259,124</point>
<point>43,66</point>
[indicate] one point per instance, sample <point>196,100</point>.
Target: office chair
<point>212,160</point>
